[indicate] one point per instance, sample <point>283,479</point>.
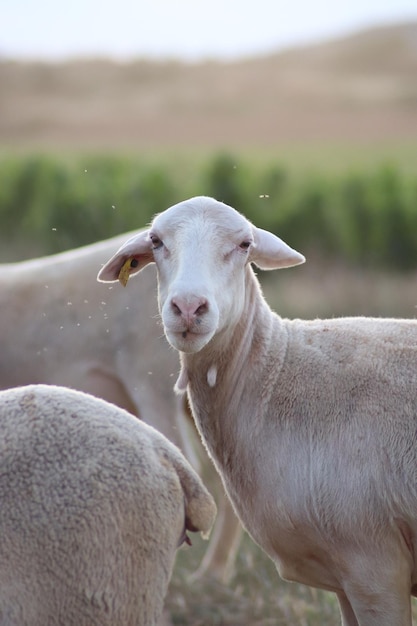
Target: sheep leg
<point>380,612</point>
<point>348,616</point>
<point>379,596</point>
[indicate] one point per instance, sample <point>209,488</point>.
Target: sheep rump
<point>94,504</point>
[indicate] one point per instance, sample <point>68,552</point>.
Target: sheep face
<point>201,248</point>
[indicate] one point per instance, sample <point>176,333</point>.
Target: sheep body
<point>74,317</point>
<point>94,504</point>
<point>60,327</point>
<point>311,424</point>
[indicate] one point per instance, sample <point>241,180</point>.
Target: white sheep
<point>311,424</point>
<point>94,505</point>
<point>58,326</point>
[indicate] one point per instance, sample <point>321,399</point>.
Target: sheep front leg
<point>378,594</point>
<point>382,611</point>
<point>348,616</point>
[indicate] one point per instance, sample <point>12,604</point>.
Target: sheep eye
<point>245,245</point>
<point>156,242</point>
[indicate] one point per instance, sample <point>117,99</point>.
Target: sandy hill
<point>363,86</point>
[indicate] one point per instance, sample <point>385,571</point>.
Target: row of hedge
<point>364,218</point>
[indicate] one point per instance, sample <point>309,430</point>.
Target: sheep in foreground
<point>94,505</point>
<point>311,424</point>
<point>60,327</point>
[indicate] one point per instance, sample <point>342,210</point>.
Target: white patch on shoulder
<point>212,376</point>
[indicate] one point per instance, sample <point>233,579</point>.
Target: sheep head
<point>201,248</point>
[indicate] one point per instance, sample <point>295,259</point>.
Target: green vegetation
<point>364,217</point>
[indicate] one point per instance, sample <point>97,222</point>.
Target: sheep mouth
<point>188,340</point>
<point>189,334</point>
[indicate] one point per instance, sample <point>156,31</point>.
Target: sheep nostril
<point>202,309</point>
<point>176,309</point>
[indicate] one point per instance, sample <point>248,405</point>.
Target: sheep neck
<point>230,413</point>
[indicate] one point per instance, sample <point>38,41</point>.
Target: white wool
<point>94,504</point>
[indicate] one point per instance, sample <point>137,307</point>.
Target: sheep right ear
<point>271,253</point>
<point>132,257</point>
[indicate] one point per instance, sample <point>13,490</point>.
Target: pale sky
<point>184,29</point>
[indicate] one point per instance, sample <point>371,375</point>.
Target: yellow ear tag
<point>125,270</point>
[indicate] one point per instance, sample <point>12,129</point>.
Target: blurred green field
<point>298,157</point>
<point>363,213</point>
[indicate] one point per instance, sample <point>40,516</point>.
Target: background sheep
<point>94,504</point>
<point>59,326</point>
<point>312,425</point>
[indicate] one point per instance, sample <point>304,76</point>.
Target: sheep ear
<point>132,257</point>
<point>271,253</point>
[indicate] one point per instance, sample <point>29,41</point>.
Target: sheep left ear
<point>132,257</point>
<point>271,253</point>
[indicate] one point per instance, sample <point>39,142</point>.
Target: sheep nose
<point>190,309</point>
